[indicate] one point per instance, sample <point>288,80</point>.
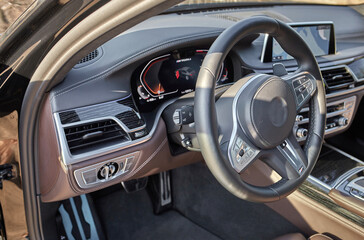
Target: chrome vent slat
<point>337,78</point>
<point>93,129</point>
<point>93,143</point>
<point>79,138</point>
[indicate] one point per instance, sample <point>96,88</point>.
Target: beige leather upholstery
<point>291,236</point>
<point>299,236</point>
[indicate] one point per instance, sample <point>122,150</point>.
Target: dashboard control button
<point>187,143</point>
<point>89,176</point>
<point>177,117</point>
<point>301,132</point>
<point>187,115</point>
<point>299,118</point>
<point>139,134</point>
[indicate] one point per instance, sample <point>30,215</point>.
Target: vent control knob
<point>301,133</point>
<point>343,121</point>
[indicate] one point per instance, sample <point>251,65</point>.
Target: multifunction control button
<point>242,152</point>
<point>183,116</point>
<point>303,87</point>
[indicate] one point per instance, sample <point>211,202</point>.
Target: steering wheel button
<point>239,141</point>
<point>250,153</point>
<point>297,92</point>
<point>305,93</point>
<point>241,152</point>
<point>296,83</point>
<point>300,98</point>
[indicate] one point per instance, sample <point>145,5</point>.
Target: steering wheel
<point>254,118</point>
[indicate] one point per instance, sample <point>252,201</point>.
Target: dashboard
<point>114,109</point>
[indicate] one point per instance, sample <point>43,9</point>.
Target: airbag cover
<point>272,113</point>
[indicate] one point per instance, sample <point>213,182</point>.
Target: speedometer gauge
<point>175,74</point>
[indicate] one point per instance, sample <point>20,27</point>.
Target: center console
<point>339,177</point>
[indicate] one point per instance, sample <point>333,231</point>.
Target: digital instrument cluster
<point>172,75</point>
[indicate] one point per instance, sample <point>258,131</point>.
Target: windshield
<point>330,2</point>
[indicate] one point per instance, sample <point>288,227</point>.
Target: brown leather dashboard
<point>57,181</point>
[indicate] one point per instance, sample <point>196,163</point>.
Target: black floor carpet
<point>202,210</point>
<point>130,216</point>
<point>200,197</point>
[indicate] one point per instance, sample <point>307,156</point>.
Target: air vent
<point>92,55</point>
<point>130,119</point>
<point>69,117</point>
<point>128,102</point>
<point>337,78</point>
<point>95,135</point>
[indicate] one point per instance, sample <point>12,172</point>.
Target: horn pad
<point>268,112</point>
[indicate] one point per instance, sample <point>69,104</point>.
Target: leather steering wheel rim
<point>207,127</point>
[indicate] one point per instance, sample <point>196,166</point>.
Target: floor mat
<point>76,220</point>
<point>130,216</point>
<point>198,196</point>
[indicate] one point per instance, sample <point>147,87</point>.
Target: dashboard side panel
<point>58,183</point>
<point>49,154</point>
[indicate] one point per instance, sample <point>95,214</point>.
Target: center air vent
<point>94,135</point>
<point>337,78</point>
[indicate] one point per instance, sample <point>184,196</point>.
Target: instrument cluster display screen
<point>173,75</point>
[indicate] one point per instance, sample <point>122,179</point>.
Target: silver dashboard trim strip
<point>321,185</point>
<point>344,92</point>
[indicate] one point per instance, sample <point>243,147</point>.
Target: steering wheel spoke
<point>303,85</point>
<point>288,159</point>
